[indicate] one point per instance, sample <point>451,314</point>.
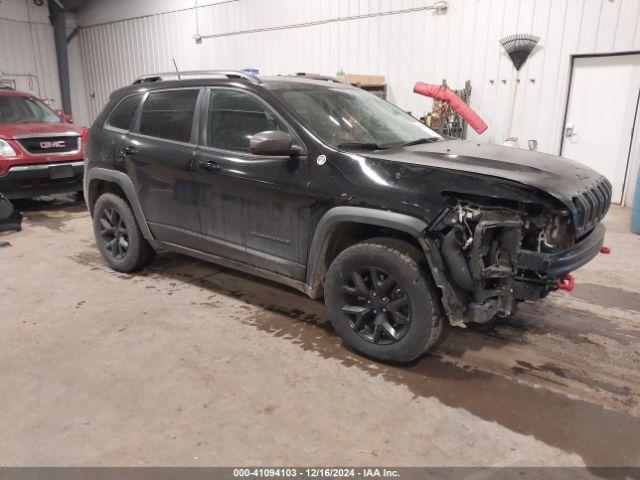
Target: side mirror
<point>64,117</point>
<point>271,142</point>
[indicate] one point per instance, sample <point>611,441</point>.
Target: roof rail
<point>192,74</point>
<point>314,76</point>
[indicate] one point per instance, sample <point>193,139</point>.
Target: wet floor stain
<point>602,437</point>
<point>564,373</point>
<point>607,296</point>
<point>522,401</point>
<point>599,436</point>
<point>572,324</point>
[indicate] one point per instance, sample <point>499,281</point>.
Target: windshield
<point>351,117</point>
<point>15,109</point>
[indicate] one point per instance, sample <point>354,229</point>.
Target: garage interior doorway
<point>599,132</point>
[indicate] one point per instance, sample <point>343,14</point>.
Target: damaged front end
<point>487,257</point>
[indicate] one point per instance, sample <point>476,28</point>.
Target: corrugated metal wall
<point>27,47</point>
<point>419,45</point>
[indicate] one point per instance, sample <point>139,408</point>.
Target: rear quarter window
<point>169,114</point>
<point>123,113</point>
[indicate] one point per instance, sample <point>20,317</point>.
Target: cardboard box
<point>364,80</point>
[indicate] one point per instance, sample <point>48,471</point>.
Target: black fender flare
<point>124,182</point>
<point>337,215</point>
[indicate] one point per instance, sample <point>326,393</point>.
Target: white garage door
<point>602,107</point>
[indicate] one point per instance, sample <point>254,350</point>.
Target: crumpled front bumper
<point>556,264</point>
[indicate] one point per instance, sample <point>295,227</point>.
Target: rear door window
<point>169,114</point>
<point>234,117</point>
<point>122,115</point>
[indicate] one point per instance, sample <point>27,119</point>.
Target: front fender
<point>340,215</point>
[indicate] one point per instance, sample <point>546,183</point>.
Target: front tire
<point>381,300</point>
<point>118,236</point>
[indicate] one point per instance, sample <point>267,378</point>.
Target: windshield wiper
<point>365,145</point>
<point>418,141</point>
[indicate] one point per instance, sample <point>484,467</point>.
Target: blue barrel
<point>635,211</point>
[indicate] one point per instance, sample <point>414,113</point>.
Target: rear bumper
<point>29,180</point>
<point>557,264</point>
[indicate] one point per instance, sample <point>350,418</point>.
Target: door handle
<point>210,165</point>
<point>129,150</point>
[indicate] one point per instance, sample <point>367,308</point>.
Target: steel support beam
<point>58,20</point>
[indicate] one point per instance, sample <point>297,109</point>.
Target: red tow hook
<point>566,283</point>
<point>605,250</point>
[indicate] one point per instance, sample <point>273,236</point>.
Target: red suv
<point>41,152</point>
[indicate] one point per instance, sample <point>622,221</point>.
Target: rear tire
<point>118,235</point>
<point>382,302</point>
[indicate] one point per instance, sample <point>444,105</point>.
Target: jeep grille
<point>592,205</point>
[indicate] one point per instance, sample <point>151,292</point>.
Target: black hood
<point>557,176</point>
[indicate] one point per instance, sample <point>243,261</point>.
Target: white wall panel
<point>27,48</point>
<point>123,39</point>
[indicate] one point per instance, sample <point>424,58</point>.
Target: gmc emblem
<point>56,144</point>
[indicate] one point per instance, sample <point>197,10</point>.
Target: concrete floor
<point>190,364</point>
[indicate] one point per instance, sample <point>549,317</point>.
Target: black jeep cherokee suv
<point>330,190</point>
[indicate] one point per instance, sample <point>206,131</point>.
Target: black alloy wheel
<point>114,233</point>
<point>118,235</point>
<point>376,305</point>
<point>381,300</point>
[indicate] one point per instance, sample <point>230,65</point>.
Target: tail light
<point>85,132</point>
